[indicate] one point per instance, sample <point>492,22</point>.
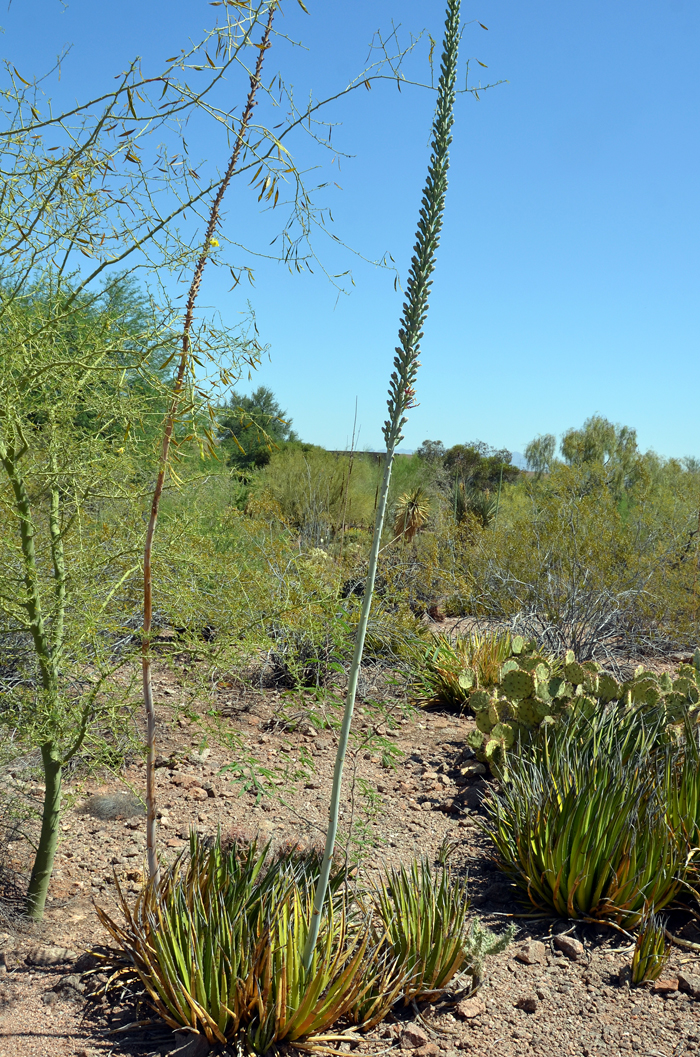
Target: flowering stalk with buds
<point>401,399</point>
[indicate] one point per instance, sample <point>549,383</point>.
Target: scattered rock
<point>192,1046</point>
<point>200,757</point>
<point>689,983</point>
<point>471,770</point>
<point>430,1049</point>
<point>50,956</point>
<point>665,986</point>
<point>471,797</point>
<point>469,1008</point>
<point>528,1003</point>
<point>88,961</point>
<point>413,1037</point>
<point>70,988</point>
<point>570,947</point>
<point>532,953</point>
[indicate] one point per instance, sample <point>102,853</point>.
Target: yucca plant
<point>293,1001</point>
<point>651,950</point>
<point>581,825</point>
<point>423,915</point>
<point>681,792</point>
<point>420,931</point>
<point>447,672</point>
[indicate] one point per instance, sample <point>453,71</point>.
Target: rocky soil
<point>557,990</point>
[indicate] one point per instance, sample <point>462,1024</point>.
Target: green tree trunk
<point>43,862</point>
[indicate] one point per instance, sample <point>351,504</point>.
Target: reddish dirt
<point>559,1005</point>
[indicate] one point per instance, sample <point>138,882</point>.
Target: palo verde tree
<point>69,447</point>
<point>79,206</point>
<point>252,427</point>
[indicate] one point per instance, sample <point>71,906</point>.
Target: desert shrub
<point>447,671</point>
<point>217,944</point>
<point>319,491</point>
<point>580,566</point>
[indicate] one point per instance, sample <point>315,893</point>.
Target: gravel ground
<point>536,998</point>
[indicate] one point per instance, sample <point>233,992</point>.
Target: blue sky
<point>569,273</point>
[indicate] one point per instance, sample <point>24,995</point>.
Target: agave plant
<point>581,825</point>
<point>651,950</point>
<point>217,944</point>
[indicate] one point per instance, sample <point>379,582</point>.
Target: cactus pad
<point>518,684</point>
<point>484,721</point>
<point>608,688</point>
<point>479,700</point>
<point>475,739</point>
<point>510,665</point>
<point>505,732</point>
<point>574,671</point>
<point>467,679</point>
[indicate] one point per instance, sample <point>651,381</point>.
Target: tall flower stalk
<point>184,361</point>
<point>401,399</point>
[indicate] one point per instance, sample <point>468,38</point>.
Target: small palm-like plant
<point>411,514</point>
<point>651,950</point>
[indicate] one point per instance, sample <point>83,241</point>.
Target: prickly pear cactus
<point>534,688</point>
<point>531,687</point>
